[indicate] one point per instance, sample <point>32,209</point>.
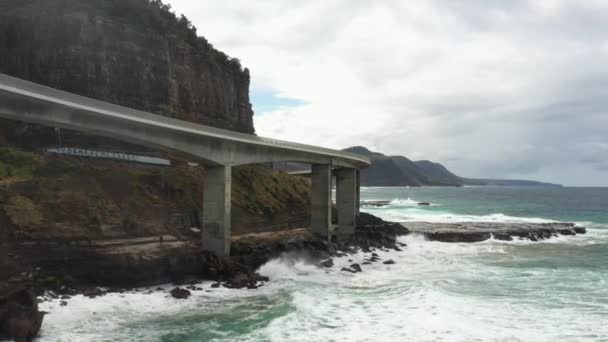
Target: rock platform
<point>481,231</point>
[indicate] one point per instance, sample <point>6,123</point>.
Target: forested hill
<point>401,171</point>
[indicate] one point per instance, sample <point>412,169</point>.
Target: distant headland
<point>401,171</point>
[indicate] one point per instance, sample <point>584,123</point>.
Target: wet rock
<point>480,231</point>
<point>247,280</point>
<point>63,303</point>
<point>580,230</point>
<point>93,292</point>
<point>327,263</point>
<point>503,237</point>
<point>389,262</point>
<point>239,281</point>
<point>375,203</point>
<point>180,293</point>
<point>215,285</point>
<point>424,203</point>
<point>356,268</point>
<point>20,319</point>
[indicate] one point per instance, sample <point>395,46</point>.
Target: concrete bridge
<point>217,149</point>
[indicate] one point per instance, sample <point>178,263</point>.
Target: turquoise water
<point>565,204</point>
<point>555,290</point>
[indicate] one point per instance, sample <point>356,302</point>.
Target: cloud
<point>489,88</point>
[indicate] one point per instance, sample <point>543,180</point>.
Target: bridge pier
<point>346,201</point>
<point>358,200</point>
<point>320,220</point>
<point>216,210</point>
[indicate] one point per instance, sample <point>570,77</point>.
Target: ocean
<point>553,290</point>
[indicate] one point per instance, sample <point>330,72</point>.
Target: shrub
<point>73,206</point>
<point>23,212</point>
<point>17,163</point>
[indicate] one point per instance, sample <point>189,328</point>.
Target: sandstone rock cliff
<point>134,53</point>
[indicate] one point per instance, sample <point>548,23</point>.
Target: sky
<point>489,88</point>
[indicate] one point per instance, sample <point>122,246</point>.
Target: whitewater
<point>553,290</point>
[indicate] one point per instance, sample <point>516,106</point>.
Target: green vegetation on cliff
<point>261,191</point>
<point>65,197</point>
<point>17,164</point>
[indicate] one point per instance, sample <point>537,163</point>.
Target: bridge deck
<point>30,102</point>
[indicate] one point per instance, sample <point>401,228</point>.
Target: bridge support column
<point>320,220</point>
<point>358,200</point>
<point>346,201</point>
<point>216,210</point>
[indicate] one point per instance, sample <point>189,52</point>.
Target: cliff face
<point>133,53</point>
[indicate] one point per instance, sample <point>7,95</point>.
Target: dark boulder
<point>93,292</point>
<point>567,231</point>
<point>580,230</point>
<point>327,263</point>
<point>180,293</point>
<point>242,280</point>
<point>424,203</point>
<point>20,319</point>
<point>389,262</point>
<point>356,268</point>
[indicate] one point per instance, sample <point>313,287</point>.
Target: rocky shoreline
<point>60,272</point>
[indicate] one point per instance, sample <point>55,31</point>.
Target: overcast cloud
<point>509,89</point>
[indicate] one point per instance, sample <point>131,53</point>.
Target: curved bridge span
<point>217,149</point>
